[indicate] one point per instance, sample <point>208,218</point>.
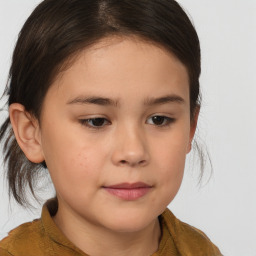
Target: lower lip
<point>129,194</point>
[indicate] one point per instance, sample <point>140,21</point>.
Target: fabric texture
<point>42,237</point>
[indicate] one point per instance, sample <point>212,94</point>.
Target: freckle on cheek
<point>82,161</point>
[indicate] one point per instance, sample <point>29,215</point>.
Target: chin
<point>130,222</point>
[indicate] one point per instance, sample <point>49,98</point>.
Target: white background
<point>224,208</point>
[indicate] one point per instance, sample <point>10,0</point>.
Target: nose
<point>130,148</point>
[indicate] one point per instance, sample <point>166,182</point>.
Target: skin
<point>127,146</point>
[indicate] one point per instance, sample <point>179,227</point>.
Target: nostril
<point>142,162</point>
<point>124,162</point>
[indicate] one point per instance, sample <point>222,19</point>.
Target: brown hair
<point>57,30</point>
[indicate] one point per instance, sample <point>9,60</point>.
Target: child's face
<point>115,131</point>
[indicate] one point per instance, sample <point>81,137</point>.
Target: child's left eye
<point>95,123</point>
<point>160,120</point>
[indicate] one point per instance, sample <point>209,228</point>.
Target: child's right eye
<point>94,123</point>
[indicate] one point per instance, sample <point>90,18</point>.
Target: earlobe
<point>27,132</point>
<point>193,126</point>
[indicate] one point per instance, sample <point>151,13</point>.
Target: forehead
<point>121,64</point>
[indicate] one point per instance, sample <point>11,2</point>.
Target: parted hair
<point>57,30</point>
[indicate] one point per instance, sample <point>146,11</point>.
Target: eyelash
<point>167,121</point>
<point>85,122</point>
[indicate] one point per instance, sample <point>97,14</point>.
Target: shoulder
<point>188,239</point>
<point>23,239</point>
<point>4,252</point>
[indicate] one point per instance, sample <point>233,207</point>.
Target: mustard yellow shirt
<point>42,237</point>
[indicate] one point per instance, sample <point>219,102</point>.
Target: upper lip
<point>127,185</point>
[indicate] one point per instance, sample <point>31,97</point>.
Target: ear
<point>27,132</point>
<point>193,125</point>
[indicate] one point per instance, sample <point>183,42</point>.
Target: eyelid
<point>168,120</point>
<point>84,122</point>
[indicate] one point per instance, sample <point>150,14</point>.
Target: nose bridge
<point>131,145</point>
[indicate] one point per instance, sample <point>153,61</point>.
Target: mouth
<point>129,191</point>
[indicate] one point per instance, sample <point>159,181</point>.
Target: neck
<point>98,241</point>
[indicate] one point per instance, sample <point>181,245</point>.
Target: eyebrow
<point>164,100</point>
<point>115,103</point>
<point>94,100</point>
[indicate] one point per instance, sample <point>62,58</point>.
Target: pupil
<point>158,120</point>
<point>98,121</point>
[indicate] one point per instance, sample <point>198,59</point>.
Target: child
<point>105,95</point>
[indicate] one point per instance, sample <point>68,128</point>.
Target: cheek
<point>171,168</point>
<point>169,177</point>
<point>72,160</point>
<point>169,163</point>
<point>170,152</point>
